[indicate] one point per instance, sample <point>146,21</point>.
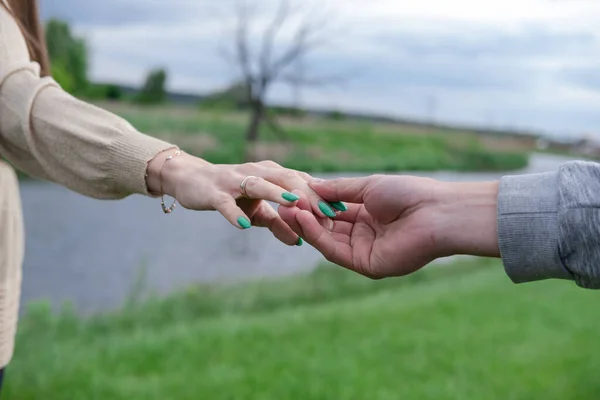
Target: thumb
<point>351,190</point>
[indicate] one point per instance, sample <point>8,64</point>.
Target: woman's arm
<point>49,134</point>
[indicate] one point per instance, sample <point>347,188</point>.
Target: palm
<point>384,248</point>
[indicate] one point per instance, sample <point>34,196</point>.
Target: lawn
<point>459,331</point>
<point>322,145</point>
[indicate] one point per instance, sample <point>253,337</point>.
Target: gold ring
<point>243,185</point>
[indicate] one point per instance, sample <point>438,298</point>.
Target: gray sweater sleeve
<point>549,225</point>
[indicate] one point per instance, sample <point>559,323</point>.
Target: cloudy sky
<point>516,63</point>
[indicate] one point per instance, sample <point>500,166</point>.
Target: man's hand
<point>395,225</point>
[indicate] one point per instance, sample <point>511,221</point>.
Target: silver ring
<point>243,185</point>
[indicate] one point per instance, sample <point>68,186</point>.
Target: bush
<point>336,116</point>
<point>113,92</point>
<point>104,92</point>
<point>153,91</point>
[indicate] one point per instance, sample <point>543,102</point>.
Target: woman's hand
<point>199,185</point>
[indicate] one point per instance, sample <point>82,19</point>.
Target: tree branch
<point>241,45</point>
<point>311,33</point>
<point>258,63</point>
<point>271,33</point>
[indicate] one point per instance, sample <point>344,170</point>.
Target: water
<point>92,252</point>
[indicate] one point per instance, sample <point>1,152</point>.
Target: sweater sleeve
<point>549,225</point>
<point>51,135</point>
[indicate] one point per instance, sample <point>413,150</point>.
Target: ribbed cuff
<point>129,159</point>
<point>528,228</point>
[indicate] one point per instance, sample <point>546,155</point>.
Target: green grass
<point>320,145</point>
<point>460,331</point>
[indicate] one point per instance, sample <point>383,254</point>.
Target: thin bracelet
<point>166,210</point>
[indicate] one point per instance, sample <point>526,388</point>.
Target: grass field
<point>321,145</point>
<point>460,331</point>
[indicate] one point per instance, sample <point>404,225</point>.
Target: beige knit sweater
<point>51,135</point>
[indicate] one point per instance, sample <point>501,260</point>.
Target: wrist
<point>153,171</point>
<point>163,174</point>
<point>467,219</point>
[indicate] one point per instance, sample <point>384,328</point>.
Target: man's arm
<point>543,226</point>
<point>549,225</point>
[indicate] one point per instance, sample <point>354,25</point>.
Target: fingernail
<point>338,205</point>
<point>290,196</point>
<point>326,209</point>
<point>244,223</point>
<point>300,242</point>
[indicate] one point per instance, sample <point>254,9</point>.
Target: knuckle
<point>253,184</point>
<point>269,164</point>
<point>233,182</point>
<point>270,219</point>
<point>304,176</point>
<point>248,168</point>
<point>335,182</point>
<point>375,179</point>
<point>288,174</point>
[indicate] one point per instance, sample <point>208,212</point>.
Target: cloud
<point>530,63</point>
<point>583,77</point>
<point>121,12</point>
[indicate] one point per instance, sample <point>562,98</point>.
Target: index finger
<point>351,190</point>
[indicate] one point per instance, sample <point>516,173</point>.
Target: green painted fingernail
<point>244,223</point>
<point>338,205</point>
<point>300,242</point>
<point>290,196</point>
<point>326,209</point>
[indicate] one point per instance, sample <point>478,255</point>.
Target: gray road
<point>90,252</point>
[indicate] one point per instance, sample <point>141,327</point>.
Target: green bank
<point>323,145</point>
<point>459,331</point>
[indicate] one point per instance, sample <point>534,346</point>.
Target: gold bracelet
<point>166,210</point>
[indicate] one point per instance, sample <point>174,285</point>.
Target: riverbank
<point>325,145</point>
<point>453,332</point>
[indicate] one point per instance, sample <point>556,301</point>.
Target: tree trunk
<point>256,117</point>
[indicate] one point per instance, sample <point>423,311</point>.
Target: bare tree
<point>263,60</point>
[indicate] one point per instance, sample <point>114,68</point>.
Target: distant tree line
<point>69,57</point>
